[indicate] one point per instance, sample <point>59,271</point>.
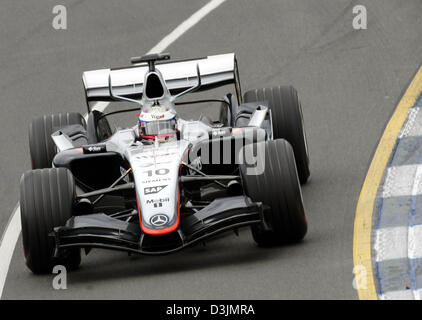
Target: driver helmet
<point>157,123</point>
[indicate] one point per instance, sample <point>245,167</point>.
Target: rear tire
<point>42,148</point>
<point>288,123</point>
<point>46,202</point>
<point>277,187</point>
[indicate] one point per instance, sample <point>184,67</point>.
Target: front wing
<point>101,231</point>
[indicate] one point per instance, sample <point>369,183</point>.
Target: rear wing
<point>216,70</point>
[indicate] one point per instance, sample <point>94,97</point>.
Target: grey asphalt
<point>349,82</point>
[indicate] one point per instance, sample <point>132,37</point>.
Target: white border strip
<point>397,295</point>
<point>391,243</point>
<point>13,229</point>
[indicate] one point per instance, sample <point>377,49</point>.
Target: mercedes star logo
<point>159,220</point>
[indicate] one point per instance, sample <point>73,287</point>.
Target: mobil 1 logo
<point>158,203</point>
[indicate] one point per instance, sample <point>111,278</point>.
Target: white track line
<point>8,243</point>
<point>172,37</point>
<point>99,106</point>
<point>13,229</point>
<point>185,26</point>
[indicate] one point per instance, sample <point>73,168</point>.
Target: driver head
<point>157,122</point>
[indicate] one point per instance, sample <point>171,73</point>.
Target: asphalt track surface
<point>349,82</point>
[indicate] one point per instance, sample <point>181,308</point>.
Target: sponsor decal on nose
<point>153,190</point>
<point>159,220</point>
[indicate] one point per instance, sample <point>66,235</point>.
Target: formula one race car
<point>165,183</point>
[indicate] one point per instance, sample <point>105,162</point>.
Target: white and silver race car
<point>166,183</point>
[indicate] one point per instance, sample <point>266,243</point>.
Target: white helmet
<point>157,122</point>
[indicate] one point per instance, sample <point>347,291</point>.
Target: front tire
<point>287,119</point>
<point>277,187</point>
<point>46,201</point>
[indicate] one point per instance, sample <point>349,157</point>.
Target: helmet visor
<point>160,127</point>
